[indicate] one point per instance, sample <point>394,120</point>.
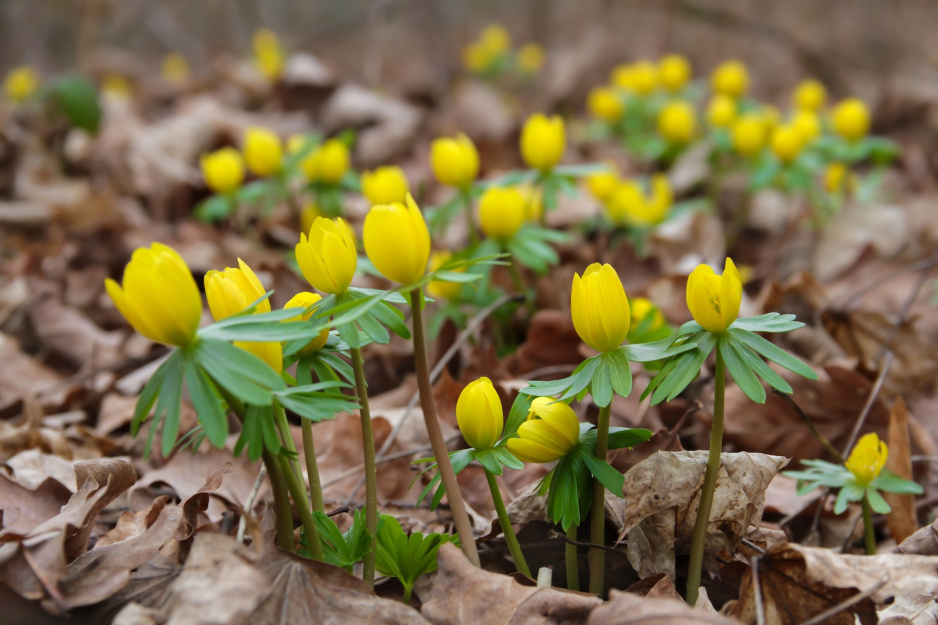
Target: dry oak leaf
<point>625,608</point>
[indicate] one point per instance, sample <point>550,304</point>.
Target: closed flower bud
<point>268,55</point>
<point>730,78</point>
<point>787,142</point>
<point>479,414</point>
<point>530,58</point>
<point>599,308</point>
<point>308,215</point>
<point>262,151</point>
<point>332,161</point>
<point>809,95</point>
<point>385,185</point>
<point>501,212</point>
<point>838,178</point>
<point>550,432</point>
<point>543,141</point>
<point>677,122</point>
<point>748,135</point>
<point>603,184</point>
<point>327,257</point>
<point>223,170</point>
<point>455,161</point>
<point>808,123</point>
<point>867,459</point>
<point>714,300</point>
<point>437,288</point>
<point>304,300</point>
<point>159,296</point>
<point>175,68</point>
<point>851,119</point>
<point>495,39</point>
<point>673,72</point>
<point>721,111</point>
<point>397,241</point>
<point>644,77</point>
<point>604,104</point>
<point>20,83</point>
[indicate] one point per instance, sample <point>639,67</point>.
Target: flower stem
<point>868,534</point>
<point>312,468</point>
<point>435,433</point>
<point>298,492</point>
<point>407,594</point>
<point>597,557</point>
<point>512,540</point>
<point>371,470</point>
<point>466,199</point>
<point>695,566</point>
<point>573,564</point>
<point>519,286</point>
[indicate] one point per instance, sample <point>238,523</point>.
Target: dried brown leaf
<point>624,608</point>
<point>902,521</point>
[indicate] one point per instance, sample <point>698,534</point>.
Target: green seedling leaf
<point>76,98</point>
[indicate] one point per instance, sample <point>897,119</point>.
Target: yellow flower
<point>642,308</point>
<point>304,300</point>
<point>308,215</point>
<point>495,39</point>
<point>748,135</point>
<point>159,296</point>
<point>20,83</point>
<point>116,87</point>
<point>175,68</point>
<point>397,241</point>
<point>673,72</point>
<point>437,288</point>
<point>770,117</point>
<point>787,142</point>
<point>455,161</point>
<point>629,205</point>
<point>838,178</point>
<point>599,308</point>
<point>851,119</point>
<point>476,58</point>
<point>223,170</point>
<point>530,58</point>
<point>332,161</point>
<point>501,212</point>
<point>479,414</point>
<point>543,141</point>
<point>603,184</point>
<point>327,257</point>
<point>550,432</point>
<point>268,55</point>
<point>808,123</point>
<point>721,111</point>
<point>385,185</point>
<point>604,104</point>
<point>533,202</point>
<point>677,122</point>
<point>262,151</point>
<point>714,300</point>
<point>640,77</point>
<point>809,95</point>
<point>867,459</point>
<point>730,78</point>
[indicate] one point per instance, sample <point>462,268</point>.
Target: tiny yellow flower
<point>397,241</point>
<point>308,215</point>
<point>838,178</point>
<point>533,202</point>
<point>851,119</point>
<point>223,170</point>
<point>495,39</point>
<point>714,300</point>
<point>673,72</point>
<point>263,151</point>
<point>730,78</point>
<point>501,212</point>
<point>530,58</point>
<point>439,289</point>
<point>327,257</point>
<point>175,68</point>
<point>677,122</point>
<point>629,205</point>
<point>455,161</point>
<point>808,124</point>
<point>599,308</point>
<point>721,112</point>
<point>770,117</point>
<point>116,87</point>
<point>543,141</point>
<point>787,142</point>
<point>867,459</point>
<point>304,300</point>
<point>623,76</point>
<point>476,58</point>
<point>604,104</point>
<point>479,414</point>
<point>603,184</point>
<point>748,135</point>
<point>642,308</point>
<point>385,185</point>
<point>332,161</point>
<point>644,77</point>
<point>550,432</point>
<point>159,296</point>
<point>268,55</point>
<point>809,95</point>
<point>20,83</point>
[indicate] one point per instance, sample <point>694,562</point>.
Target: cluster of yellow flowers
<point>626,204</point>
<point>492,52</point>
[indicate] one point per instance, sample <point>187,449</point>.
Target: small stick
<point>757,590</point>
<point>249,504</point>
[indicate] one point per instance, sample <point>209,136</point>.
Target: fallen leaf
<point>903,520</point>
<point>625,608</point>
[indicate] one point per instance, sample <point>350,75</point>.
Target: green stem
<point>312,468</point>
<point>371,469</point>
<point>298,492</point>
<point>868,534</point>
<point>407,593</point>
<point>293,462</point>
<point>695,567</point>
<point>519,286</point>
<point>435,433</point>
<point>512,540</point>
<point>597,557</point>
<point>470,219</point>
<point>573,564</point>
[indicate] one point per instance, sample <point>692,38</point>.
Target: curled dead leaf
<point>625,608</point>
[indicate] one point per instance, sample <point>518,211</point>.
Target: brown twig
<point>845,605</point>
<point>757,591</point>
<point>807,421</point>
<point>555,535</point>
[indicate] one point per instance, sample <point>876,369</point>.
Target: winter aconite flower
<point>640,77</point>
<point>20,83</point>
<point>530,58</point>
<point>397,240</point>
<point>677,122</point>
<point>603,184</point>
<point>159,296</point>
<point>838,178</point>
<point>629,205</point>
<point>329,163</point>
<point>673,72</point>
<point>268,55</point>
<point>501,212</point>
<point>327,257</point>
<point>223,170</point>
<point>787,142</point>
<point>262,151</point>
<point>543,141</point>
<point>604,104</point>
<point>437,288</point>
<point>809,95</point>
<point>642,308</point>
<point>867,459</point>
<point>175,68</point>
<point>714,300</point>
<point>721,111</point>
<point>455,161</point>
<point>748,135</point>
<point>808,123</point>
<point>851,119</point>
<point>304,300</point>
<point>385,185</point>
<point>599,308</point>
<point>550,432</point>
<point>479,414</point>
<point>730,78</point>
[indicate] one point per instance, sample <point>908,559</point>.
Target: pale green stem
<point>868,534</point>
<point>597,556</point>
<point>312,468</point>
<point>513,546</point>
<point>371,469</point>
<point>466,199</point>
<point>298,491</point>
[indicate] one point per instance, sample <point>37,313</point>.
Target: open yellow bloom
<point>640,77</point>
<point>677,122</point>
<point>385,185</point>
<point>439,289</point>
<point>20,83</point>
<point>673,72</point>
<point>495,39</point>
<point>543,141</point>
<point>479,414</point>
<point>599,308</point>
<point>476,58</point>
<point>721,112</point>
<point>530,58</point>
<point>808,123</point>
<point>714,300</point>
<point>397,241</point>
<point>501,212</point>
<point>331,161</point>
<point>175,68</point>
<point>159,296</point>
<point>604,104</point>
<point>809,95</point>
<point>223,170</point>
<point>787,142</point>
<point>268,55</point>
<point>603,184</point>
<point>262,151</point>
<point>455,161</point>
<point>629,204</point>
<point>550,432</point>
<point>748,135</point>
<point>305,299</point>
<point>851,119</point>
<point>730,78</point>
<point>867,459</point>
<point>327,257</point>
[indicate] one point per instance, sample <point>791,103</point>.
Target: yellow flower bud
<point>543,141</point>
<point>530,58</point>
<point>673,72</point>
<point>714,300</point>
<point>304,300</point>
<point>748,135</point>
<point>175,68</point>
<point>838,178</point>
<point>533,202</point>
<point>550,432</point>
<point>262,151</point>
<point>159,296</point>
<point>20,83</point>
<point>851,119</point>
<point>308,215</point>
<point>867,459</point>
<point>623,76</point>
<point>223,170</point>
<point>476,58</point>
<point>787,142</point>
<point>479,414</point>
<point>439,289</point>
<point>677,122</point>
<point>501,212</point>
<point>721,112</point>
<point>629,205</point>
<point>642,308</point>
<point>644,77</point>
<point>599,308</point>
<point>327,257</point>
<point>495,39</point>
<point>604,104</point>
<point>268,55</point>
<point>808,123</point>
<point>603,184</point>
<point>770,117</point>
<point>455,161</point>
<point>385,185</point>
<point>332,161</point>
<point>809,95</point>
<point>116,87</point>
<point>730,78</point>
<point>397,241</point>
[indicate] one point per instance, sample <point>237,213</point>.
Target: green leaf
<point>258,432</point>
<point>876,501</point>
<point>215,208</point>
<point>506,458</point>
<point>620,438</point>
<point>406,557</point>
<point>489,461</point>
<point>772,352</point>
<point>343,549</point>
<point>242,374</point>
<point>743,375</point>
<point>167,406</point>
<point>670,382</point>
<point>569,386</point>
<point>620,373</point>
<point>892,483</point>
<point>147,398</point>
<point>580,170</point>
<point>517,415</point>
<point>658,350</point>
<point>253,191</point>
<point>601,384</point>
<point>207,406</point>
<point>315,404</point>
<point>756,364</point>
<point>850,492</point>
<point>607,476</point>
<point>769,322</point>
<point>76,98</point>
